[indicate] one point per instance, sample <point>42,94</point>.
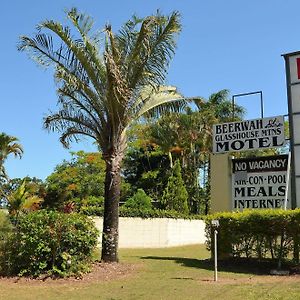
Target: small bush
<point>49,242</point>
<point>92,201</point>
<point>139,201</point>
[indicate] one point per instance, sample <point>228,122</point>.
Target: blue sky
<point>233,44</point>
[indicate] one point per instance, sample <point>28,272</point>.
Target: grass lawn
<point>170,273</point>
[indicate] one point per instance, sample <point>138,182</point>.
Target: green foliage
<point>49,242</point>
<point>175,195</point>
<point>139,201</point>
<point>146,167</point>
<point>141,213</point>
<point>5,225</point>
<point>257,233</point>
<point>6,229</point>
<point>80,178</point>
<point>91,202</point>
<point>21,200</point>
<point>34,187</point>
<point>8,145</point>
<point>155,144</point>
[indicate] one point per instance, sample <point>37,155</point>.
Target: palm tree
<point>102,89</point>
<point>8,145</point>
<point>21,200</point>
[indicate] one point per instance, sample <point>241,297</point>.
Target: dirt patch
<point>100,272</point>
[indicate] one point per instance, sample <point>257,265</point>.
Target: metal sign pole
<point>291,81</point>
<point>216,256</point>
<point>215,224</point>
<point>247,94</point>
<point>287,181</point>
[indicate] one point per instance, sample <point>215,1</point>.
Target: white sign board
<point>259,182</point>
<point>249,135</point>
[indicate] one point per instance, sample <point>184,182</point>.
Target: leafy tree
<point>8,145</point>
<point>100,94</point>
<point>175,195</point>
<point>34,185</point>
<point>139,200</point>
<point>188,137</point>
<point>145,165</point>
<point>147,168</point>
<point>79,178</point>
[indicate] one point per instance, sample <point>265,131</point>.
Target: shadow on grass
<point>233,265</point>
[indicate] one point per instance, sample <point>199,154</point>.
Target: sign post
<point>215,224</point>
<point>216,255</point>
<point>287,181</point>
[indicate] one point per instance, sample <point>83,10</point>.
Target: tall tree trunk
<point>110,236</point>
<point>208,194</point>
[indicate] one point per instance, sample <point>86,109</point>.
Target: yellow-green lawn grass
<point>169,273</point>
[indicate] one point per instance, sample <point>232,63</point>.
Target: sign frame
<point>291,84</point>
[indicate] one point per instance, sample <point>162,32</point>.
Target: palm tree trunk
<point>110,236</point>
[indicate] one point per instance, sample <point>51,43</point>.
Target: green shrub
<point>6,228</point>
<point>139,201</point>
<point>92,211</point>
<point>5,225</point>
<point>175,195</point>
<point>49,242</point>
<point>256,233</point>
<point>91,202</point>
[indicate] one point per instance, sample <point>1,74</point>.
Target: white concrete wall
<point>156,233</point>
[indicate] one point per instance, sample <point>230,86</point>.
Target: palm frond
<point>84,24</point>
<point>99,93</point>
<point>71,123</point>
<point>148,48</point>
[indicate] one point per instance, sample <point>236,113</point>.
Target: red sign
<point>298,67</point>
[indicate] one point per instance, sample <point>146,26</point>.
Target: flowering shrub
<point>49,242</point>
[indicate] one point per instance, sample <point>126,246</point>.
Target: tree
<point>81,177</point>
<point>188,137</point>
<point>147,168</point>
<point>175,195</point>
<point>101,94</point>
<point>8,145</point>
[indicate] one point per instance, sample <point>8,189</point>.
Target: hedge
<point>141,213</point>
<point>256,233</point>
